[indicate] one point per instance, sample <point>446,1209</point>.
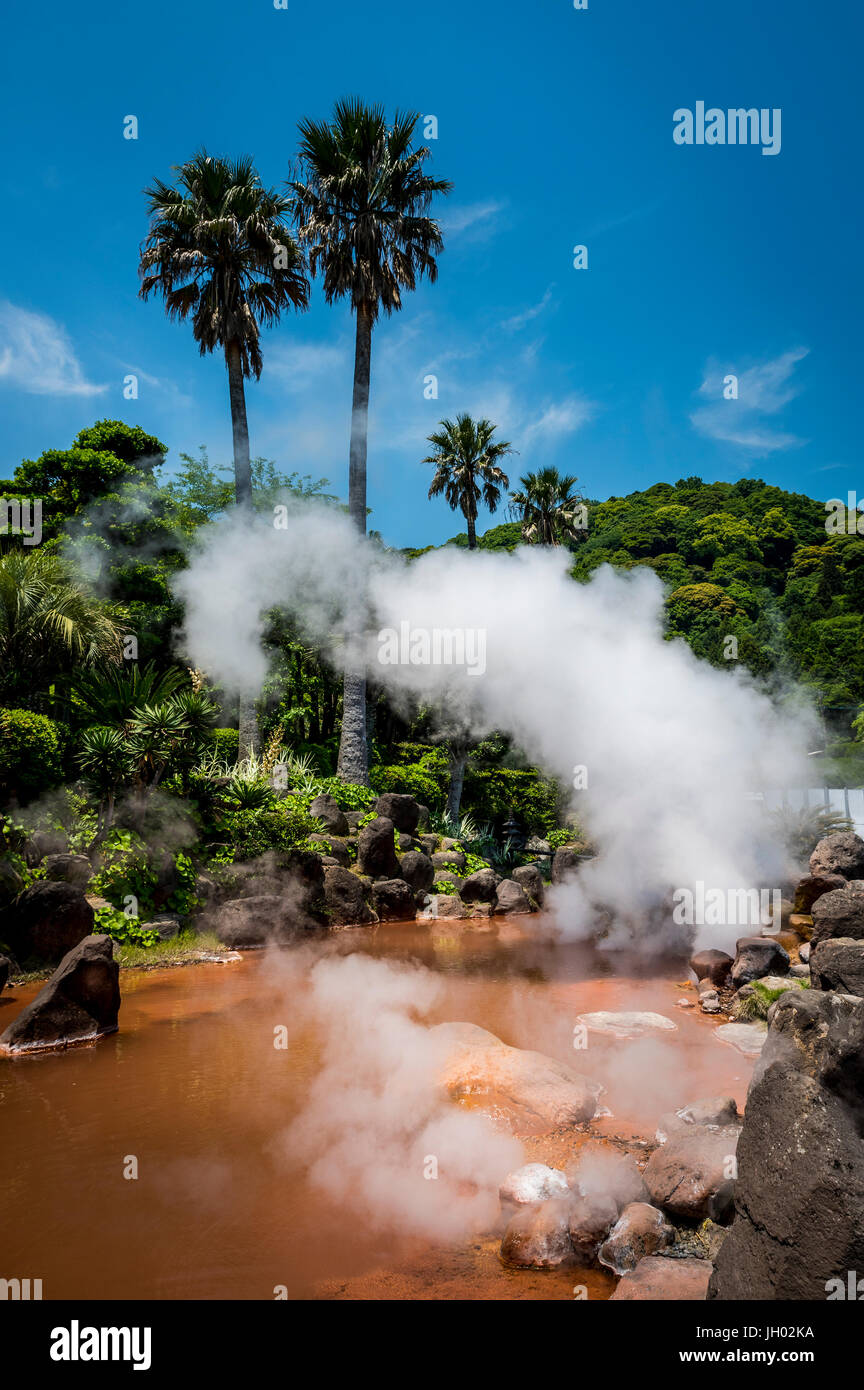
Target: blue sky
<point>555,127</point>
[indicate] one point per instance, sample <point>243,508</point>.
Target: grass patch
<point>754,1007</point>
<point>183,950</point>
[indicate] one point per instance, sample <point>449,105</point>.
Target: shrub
<point>226,742</point>
<point>110,921</point>
<point>126,871</point>
<point>281,826</point>
<point>410,779</point>
<point>494,792</point>
<point>31,753</point>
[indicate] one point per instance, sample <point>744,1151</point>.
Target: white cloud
<point>476,218</point>
<point>296,365</point>
<point>763,391</point>
<point>37,355</point>
<point>556,420</point>
<point>520,320</point>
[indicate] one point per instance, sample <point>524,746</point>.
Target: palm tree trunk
<point>248,741</point>
<point>458,759</point>
<point>472,534</point>
<point>353,764</point>
<point>239,426</point>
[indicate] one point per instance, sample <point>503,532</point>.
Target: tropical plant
<point>466,460</point>
<point>219,250</point>
<point>801,828</point>
<point>48,624</point>
<point>361,207</point>
<point>111,696</point>
<point>31,753</point>
<point>548,508</point>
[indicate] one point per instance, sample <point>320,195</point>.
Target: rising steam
<point>579,675</point>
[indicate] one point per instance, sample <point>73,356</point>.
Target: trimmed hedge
<point>31,753</point>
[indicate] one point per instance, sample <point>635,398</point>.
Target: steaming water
<point>193,1087</point>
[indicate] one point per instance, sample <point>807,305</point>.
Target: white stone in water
<point>748,1038</point>
<point>627,1025</point>
<point>533,1183</point>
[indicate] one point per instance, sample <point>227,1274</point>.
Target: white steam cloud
<point>579,675</point>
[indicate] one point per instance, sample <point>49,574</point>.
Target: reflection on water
<point>193,1089</point>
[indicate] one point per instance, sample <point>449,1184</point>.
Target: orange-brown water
<point>193,1088</point>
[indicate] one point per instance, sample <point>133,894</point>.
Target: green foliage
<point>567,835</point>
<point>31,753</point>
<point>126,871</point>
<point>251,833</point>
<point>408,779</point>
<point>226,743</point>
<point>492,793</point>
<point>800,829</point>
<point>109,921</point>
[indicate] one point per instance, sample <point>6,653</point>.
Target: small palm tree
<point>48,625</point>
<point>548,507</point>
<point>361,206</point>
<point>466,459</point>
<point>219,250</point>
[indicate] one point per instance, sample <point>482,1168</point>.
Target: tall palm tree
<point>548,508</point>
<point>220,251</point>
<point>361,206</point>
<point>466,459</point>
<point>48,625</point>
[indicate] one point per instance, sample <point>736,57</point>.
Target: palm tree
<point>548,508</point>
<point>48,625</point>
<point>466,459</point>
<point>361,207</point>
<point>220,251</point>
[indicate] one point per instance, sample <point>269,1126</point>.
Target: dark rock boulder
<point>354,818</point>
<point>538,1236</point>
<point>47,920</point>
<point>842,853</point>
<point>80,1002</point>
<point>715,966</point>
<point>839,913</point>
<point>402,810</point>
<point>565,862</point>
<point>756,956</point>
<point>510,898</point>
<point>394,900</point>
<point>376,849</point>
<point>530,879</point>
<point>247,923</point>
<point>417,870</point>
<point>345,898</point>
<point>591,1218</point>
<point>44,842</point>
<point>685,1173</point>
<point>838,963</point>
<point>334,848</point>
<point>11,882</point>
<point>449,859</point>
<point>813,887</point>
<point>479,887</point>
<point>799,1196</point>
<point>327,809</point>
<point>5,969</point>
<point>639,1231</point>
<point>68,868</point>
<point>659,1278</point>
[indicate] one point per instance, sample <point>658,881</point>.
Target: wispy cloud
<point>297,365</point>
<point>557,419</point>
<point>762,392</point>
<point>528,315</point>
<point>478,219</point>
<point>37,355</point>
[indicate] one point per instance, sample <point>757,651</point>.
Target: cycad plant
<point>467,467</point>
<point>361,205</point>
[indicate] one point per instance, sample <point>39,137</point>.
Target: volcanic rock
<point>838,963</point>
<point>68,868</point>
<point>639,1231</point>
<point>345,898</point>
<point>474,1061</point>
<point>376,849</point>
<point>327,809</point>
<point>80,1002</point>
<point>417,870</point>
<point>800,1192</point>
<point>510,898</point>
<point>479,887</point>
<point>756,956</point>
<point>394,900</point>
<point>538,1237</point>
<point>565,863</point>
<point>839,913</point>
<point>529,878</point>
<point>47,920</point>
<point>591,1218</point>
<point>684,1174</point>
<point>712,965</point>
<point>813,887</point>
<point>841,853</point>
<point>404,811</point>
<point>661,1277</point>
